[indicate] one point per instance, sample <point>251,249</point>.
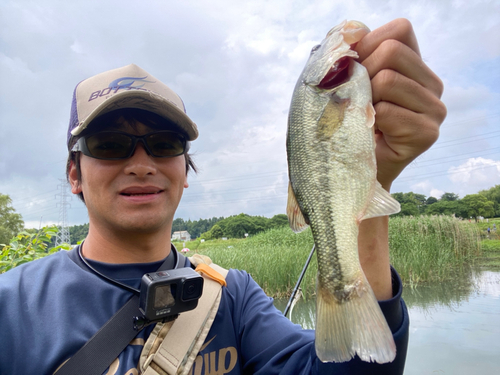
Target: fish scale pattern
<point>331,179</point>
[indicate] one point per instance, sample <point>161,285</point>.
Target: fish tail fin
<point>356,326</point>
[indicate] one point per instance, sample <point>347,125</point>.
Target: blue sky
<point>235,65</point>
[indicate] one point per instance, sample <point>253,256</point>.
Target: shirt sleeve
<point>271,344</point>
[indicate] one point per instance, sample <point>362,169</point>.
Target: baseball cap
<point>126,87</point>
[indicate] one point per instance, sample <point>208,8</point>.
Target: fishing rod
<point>294,292</point>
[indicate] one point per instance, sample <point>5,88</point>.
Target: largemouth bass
<point>333,187</point>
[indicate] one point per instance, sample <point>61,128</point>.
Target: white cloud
<point>474,175</point>
<point>436,193</point>
<point>421,187</point>
<point>427,188</point>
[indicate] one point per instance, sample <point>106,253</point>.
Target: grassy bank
<point>422,249</point>
<point>490,243</point>
<point>490,258</point>
<point>483,226</point>
<point>432,248</point>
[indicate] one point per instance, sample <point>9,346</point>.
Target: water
<point>454,326</point>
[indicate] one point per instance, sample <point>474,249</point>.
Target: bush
<point>26,247</point>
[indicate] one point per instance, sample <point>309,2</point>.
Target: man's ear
<point>76,186</point>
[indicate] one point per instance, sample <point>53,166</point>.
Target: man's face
<point>138,194</point>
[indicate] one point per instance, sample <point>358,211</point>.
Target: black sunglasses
<point>116,145</point>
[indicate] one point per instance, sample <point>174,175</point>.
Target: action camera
<point>168,293</point>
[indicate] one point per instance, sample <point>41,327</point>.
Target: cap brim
<point>147,101</point>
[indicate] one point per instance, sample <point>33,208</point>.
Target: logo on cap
<point>126,82</point>
<point>123,83</point>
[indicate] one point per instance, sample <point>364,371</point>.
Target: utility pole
<point>63,233</point>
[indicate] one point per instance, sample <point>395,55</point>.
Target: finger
<point>390,86</point>
<point>394,55</point>
<point>399,29</point>
<point>405,133</point>
<point>401,136</point>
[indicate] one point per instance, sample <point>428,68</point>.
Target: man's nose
<point>140,163</point>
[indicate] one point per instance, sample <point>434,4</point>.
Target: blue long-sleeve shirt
<point>49,308</point>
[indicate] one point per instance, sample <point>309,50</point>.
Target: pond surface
<point>454,326</point>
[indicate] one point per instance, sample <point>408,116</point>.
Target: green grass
<point>423,249</point>
<point>432,248</point>
<point>274,258</point>
<point>483,225</point>
<point>490,245</point>
<point>491,253</point>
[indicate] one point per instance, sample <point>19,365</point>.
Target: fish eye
<point>315,48</point>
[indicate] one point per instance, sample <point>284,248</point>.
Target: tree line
<point>196,227</point>
<point>237,226</point>
<point>486,203</point>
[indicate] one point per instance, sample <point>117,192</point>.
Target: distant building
<point>182,235</point>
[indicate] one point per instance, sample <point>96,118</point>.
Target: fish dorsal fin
<point>295,217</point>
<point>382,204</point>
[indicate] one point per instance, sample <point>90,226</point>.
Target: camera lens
<point>192,289</point>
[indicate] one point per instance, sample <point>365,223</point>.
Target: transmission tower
<point>63,233</point>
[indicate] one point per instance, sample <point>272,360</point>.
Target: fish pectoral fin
<point>295,217</point>
<point>370,115</point>
<point>382,204</point>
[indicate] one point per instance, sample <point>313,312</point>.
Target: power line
<point>446,125</point>
<point>440,173</point>
<point>51,192</point>
<point>239,177</point>
<point>417,163</point>
<point>279,185</point>
<point>225,201</point>
<point>472,136</point>
<point>461,143</point>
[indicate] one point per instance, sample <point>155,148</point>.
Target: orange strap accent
<point>211,273</point>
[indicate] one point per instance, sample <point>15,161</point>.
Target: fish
<point>333,187</point>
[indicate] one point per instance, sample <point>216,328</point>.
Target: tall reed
<point>422,249</point>
<point>431,248</point>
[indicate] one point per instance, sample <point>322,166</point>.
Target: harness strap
<point>102,349</point>
<point>172,347</point>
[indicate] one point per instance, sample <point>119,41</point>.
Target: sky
<point>235,65</point>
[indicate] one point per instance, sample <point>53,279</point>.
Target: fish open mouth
<point>341,71</point>
<point>338,74</point>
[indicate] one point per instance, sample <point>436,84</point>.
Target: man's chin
<point>143,226</point>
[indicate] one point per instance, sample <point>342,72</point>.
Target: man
<point>131,187</point>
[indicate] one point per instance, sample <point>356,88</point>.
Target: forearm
<point>373,245</point>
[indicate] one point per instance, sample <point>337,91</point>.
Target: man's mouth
<point>138,195</point>
<point>138,192</point>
